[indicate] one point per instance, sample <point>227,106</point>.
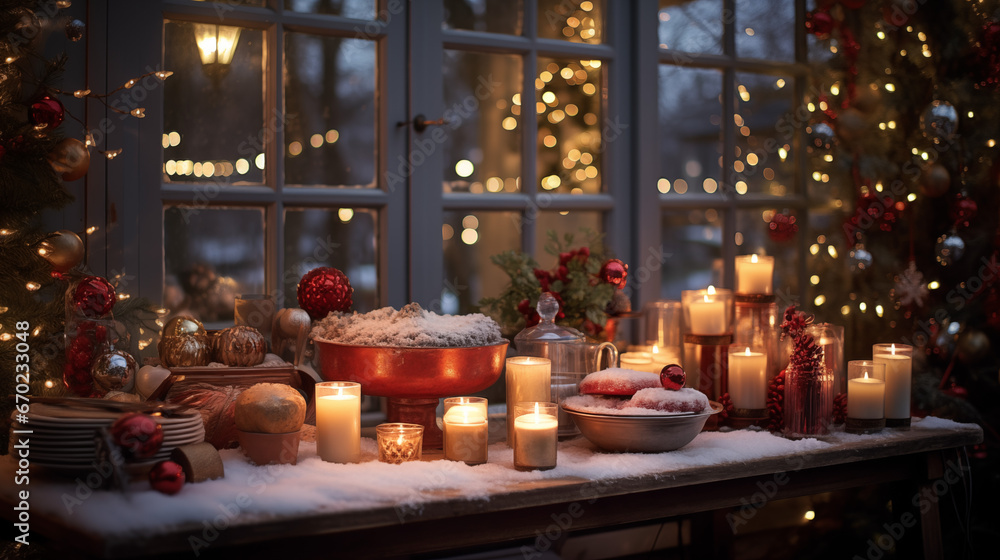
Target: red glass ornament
<point>324,290</point>
<point>782,227</point>
<point>167,477</point>
<point>672,377</point>
<point>94,297</point>
<point>138,435</point>
<point>614,272</point>
<point>46,111</point>
<point>964,210</point>
<point>820,23</point>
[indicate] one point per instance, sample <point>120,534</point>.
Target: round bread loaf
<point>270,408</point>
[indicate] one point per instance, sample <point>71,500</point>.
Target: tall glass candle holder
<point>529,379</point>
<point>758,325</point>
<point>898,360</point>
<point>399,442</point>
<point>536,436</point>
<point>830,338</point>
<point>708,320</point>
<point>338,421</point>
<point>808,404</point>
<point>466,430</point>
<point>747,384</point>
<point>664,326</point>
<point>865,397</point>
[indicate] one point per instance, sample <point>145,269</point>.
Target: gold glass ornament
<point>70,159</point>
<point>240,346</point>
<point>114,371</point>
<point>63,250</point>
<point>185,350</point>
<point>181,325</point>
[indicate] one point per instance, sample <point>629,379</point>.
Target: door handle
<point>420,123</point>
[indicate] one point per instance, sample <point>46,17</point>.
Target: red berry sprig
<point>776,403</point>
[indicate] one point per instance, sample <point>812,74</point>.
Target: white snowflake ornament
<point>910,286</point>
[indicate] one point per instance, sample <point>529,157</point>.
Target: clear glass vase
<point>808,406</point>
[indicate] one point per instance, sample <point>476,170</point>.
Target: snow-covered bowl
<point>641,434</point>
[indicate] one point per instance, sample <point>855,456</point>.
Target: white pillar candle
<point>466,434</point>
<point>529,379</point>
<point>866,398</point>
<point>338,421</point>
<point>748,379</point>
<point>898,373</point>
<point>708,315</point>
<point>754,274</point>
<point>535,440</point>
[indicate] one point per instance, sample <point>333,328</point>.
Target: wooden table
<point>917,461</point>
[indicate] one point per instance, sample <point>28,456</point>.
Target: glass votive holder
<point>338,421</point>
<point>399,442</point>
<point>466,430</point>
<point>865,397</point>
<point>529,379</point>
<point>898,360</point>
<point>663,323</point>
<point>536,434</point>
<point>638,361</point>
<point>257,311</point>
<point>708,312</point>
<point>747,381</point>
<point>754,274</point>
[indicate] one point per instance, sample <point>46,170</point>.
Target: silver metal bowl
<point>641,434</point>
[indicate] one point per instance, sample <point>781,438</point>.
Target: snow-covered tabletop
<point>329,497</point>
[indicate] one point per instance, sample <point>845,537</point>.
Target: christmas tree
<point>902,146</point>
<point>40,267</point>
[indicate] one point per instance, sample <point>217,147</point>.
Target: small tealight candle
<point>898,371</point>
<point>638,361</point>
<point>536,435</point>
<point>466,430</point>
<point>865,396</point>
<point>338,421</point>
<point>399,442</point>
<point>754,274</point>
<point>529,379</point>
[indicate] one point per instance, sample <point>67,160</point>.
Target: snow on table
<point>313,486</point>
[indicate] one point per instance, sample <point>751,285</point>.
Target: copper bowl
<point>641,434</point>
<point>413,378</point>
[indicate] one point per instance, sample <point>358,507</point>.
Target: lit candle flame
<point>753,258</point>
<point>893,349</point>
<point>748,350</point>
<point>711,290</point>
<point>656,349</point>
<point>538,416</point>
<point>866,375</point>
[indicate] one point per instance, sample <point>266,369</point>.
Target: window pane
<point>766,124</point>
<point>470,239</point>
<point>752,236</point>
<point>330,111</point>
<point>482,139</point>
<point>570,121</point>
<point>579,22</point>
<point>213,112</point>
<point>691,25</point>
<point>765,30</point>
<point>359,9</point>
<point>568,221</point>
<point>693,239</point>
<point>492,16</point>
<point>344,238</point>
<point>211,255</point>
<point>690,115</point>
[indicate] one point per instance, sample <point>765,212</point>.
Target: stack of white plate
<point>63,433</point>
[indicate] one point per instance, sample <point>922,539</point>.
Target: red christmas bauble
<point>167,477</point>
<point>964,210</point>
<point>94,297</point>
<point>138,435</point>
<point>324,290</point>
<point>46,111</point>
<point>672,377</point>
<point>782,227</point>
<point>614,272</point>
<point>819,23</point>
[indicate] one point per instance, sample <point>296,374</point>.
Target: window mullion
<point>529,124</point>
<point>728,143</point>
